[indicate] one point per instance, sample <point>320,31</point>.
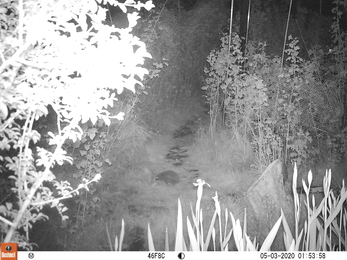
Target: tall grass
<point>324,229</point>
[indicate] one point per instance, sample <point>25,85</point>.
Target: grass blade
<point>271,236</point>
<point>166,240</point>
<point>109,238</point>
<point>287,235</point>
<point>208,237</point>
<point>193,240</point>
<point>249,244</point>
<point>179,231</point>
<point>337,210</point>
<point>121,236</point>
<point>150,240</point>
<point>116,244</point>
<point>226,240</point>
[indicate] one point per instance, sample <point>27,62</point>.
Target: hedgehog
<point>169,177</point>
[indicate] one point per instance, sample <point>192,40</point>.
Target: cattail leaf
<point>179,231</point>
<point>121,237</point>
<point>193,240</point>
<point>226,240</point>
<point>271,236</point>
<point>305,187</point>
<point>309,177</point>
<point>208,237</point>
<point>336,210</point>
<point>312,235</point>
<point>238,235</point>
<point>297,242</point>
<point>150,240</point>
<point>214,238</point>
<point>116,244</point>
<point>288,238</point>
<point>249,245</point>
<point>226,223</point>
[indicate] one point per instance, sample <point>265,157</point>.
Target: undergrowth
<point>227,150</point>
<point>291,109</point>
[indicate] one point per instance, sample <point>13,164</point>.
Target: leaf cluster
<point>62,55</point>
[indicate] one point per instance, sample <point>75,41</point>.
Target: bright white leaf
<point>123,8</point>
<point>132,18</point>
<point>149,5</point>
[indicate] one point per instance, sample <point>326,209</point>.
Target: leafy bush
<point>58,54</point>
<point>289,109</point>
<point>258,98</point>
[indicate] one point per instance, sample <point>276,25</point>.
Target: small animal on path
<point>169,177</point>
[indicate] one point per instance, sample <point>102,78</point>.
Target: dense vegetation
<point>77,90</point>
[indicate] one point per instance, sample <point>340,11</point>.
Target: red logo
<point>8,251</point>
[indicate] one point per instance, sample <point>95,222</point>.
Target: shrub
<point>54,54</point>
